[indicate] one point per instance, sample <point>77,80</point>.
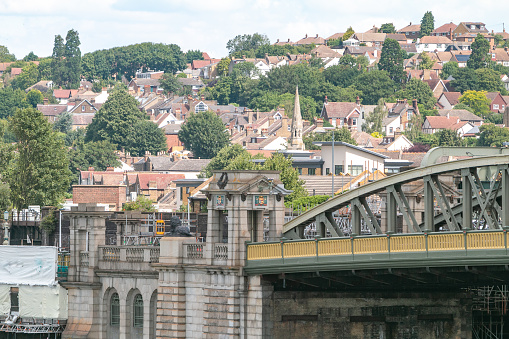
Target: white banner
<point>28,265</point>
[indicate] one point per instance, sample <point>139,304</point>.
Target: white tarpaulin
<point>43,302</point>
<point>28,265</point>
<point>5,299</point>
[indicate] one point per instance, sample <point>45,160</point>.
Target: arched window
<point>115,310</point>
<point>138,311</point>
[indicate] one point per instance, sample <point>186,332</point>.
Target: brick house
<point>113,195</point>
<point>348,114</point>
<point>445,30</point>
<point>497,102</point>
<point>155,185</point>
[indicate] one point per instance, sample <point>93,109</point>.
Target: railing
<point>381,244</point>
<point>221,251</point>
<point>154,254</point>
<point>194,251</point>
<point>111,253</point>
<point>84,259</point>
<point>134,254</point>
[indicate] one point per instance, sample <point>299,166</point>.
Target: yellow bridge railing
<point>396,243</point>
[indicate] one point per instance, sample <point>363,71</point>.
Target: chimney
<point>326,101</point>
<point>271,120</point>
<point>306,36</point>
<point>317,35</point>
<point>45,101</point>
<point>277,41</point>
<point>110,169</point>
<point>447,115</point>
<point>265,132</point>
<point>92,101</point>
<point>91,169</point>
<point>357,101</point>
<point>202,98</point>
<point>288,40</point>
<point>284,124</point>
<point>414,104</point>
<point>178,114</point>
<point>319,123</point>
<point>250,117</point>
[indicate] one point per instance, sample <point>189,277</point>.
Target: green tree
<point>340,134</point>
<point>479,57</point>
<point>374,121</point>
<point>39,174</point>
<point>222,159</point>
<point>417,89</point>
<point>477,101</point>
<point>204,134</point>
<point>31,57</point>
<point>414,130</point>
<point>222,67</point>
<point>97,154</point>
<point>44,69</point>
<point>72,54</point>
<point>450,68</point>
<point>374,85</point>
<point>58,69</point>
<point>193,55</point>
<point>5,56</point>
<point>388,28</point>
<point>10,100</point>
<point>492,136</point>
<point>142,203</point>
<point>349,32</point>
<point>288,174</point>
<point>342,75</point>
<point>246,42</point>
<point>427,24</point>
<point>488,80</point>
<point>448,137</point>
<point>465,79</point>
<point>28,77</point>
<point>34,97</point>
<point>5,201</point>
<point>426,61</point>
<point>170,83</point>
<point>392,61</point>
<point>63,123</point>
<point>121,122</point>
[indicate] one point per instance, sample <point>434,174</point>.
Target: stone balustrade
<point>136,258</point>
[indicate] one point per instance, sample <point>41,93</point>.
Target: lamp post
<point>6,228</point>
<point>333,169</point>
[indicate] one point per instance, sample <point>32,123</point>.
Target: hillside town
<point>139,132</point>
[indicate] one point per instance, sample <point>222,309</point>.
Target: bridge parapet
<point>130,258</point>
<point>396,250</point>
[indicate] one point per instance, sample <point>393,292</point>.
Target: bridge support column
<point>391,210</point>
<point>467,198</point>
<point>505,196</point>
<point>429,206</point>
<point>356,219</point>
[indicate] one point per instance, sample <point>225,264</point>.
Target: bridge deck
<point>469,248</point>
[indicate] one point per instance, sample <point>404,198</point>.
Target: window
<point>311,171</point>
<point>327,171</point>
<point>201,107</point>
<point>355,169</point>
<point>439,45</point>
<point>495,106</point>
<point>115,310</point>
<point>83,108</point>
<point>14,299</point>
<point>426,45</point>
<point>354,122</point>
<point>300,170</point>
<point>469,39</point>
<point>409,116</point>
<point>138,311</point>
<point>391,129</point>
<point>338,169</point>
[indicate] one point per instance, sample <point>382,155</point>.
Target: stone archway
<point>112,309</point>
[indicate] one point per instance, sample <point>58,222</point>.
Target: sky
<point>31,25</point>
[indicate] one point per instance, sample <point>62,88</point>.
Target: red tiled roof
<point>452,97</point>
<point>446,28</point>
<point>62,93</point>
<point>442,122</point>
<point>340,109</point>
<point>16,71</point>
<point>52,110</point>
<point>162,180</point>
<point>435,40</point>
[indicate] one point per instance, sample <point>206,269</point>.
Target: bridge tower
<point>203,291</point>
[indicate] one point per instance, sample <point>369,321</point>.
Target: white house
<point>433,44</point>
<point>349,159</point>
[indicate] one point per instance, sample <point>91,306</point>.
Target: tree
<point>5,56</point>
<point>27,78</point>
<point>63,123</point>
<point>341,75</point>
<point>222,159</point>
<point>465,79</point>
<point>120,122</point>
<point>388,28</point>
<point>448,137</point>
<point>170,83</point>
<point>97,154</point>
<point>392,61</point>
<point>246,42</point>
<point>374,85</point>
<point>58,70</point>
<point>288,174</point>
<point>417,89</point>
<point>31,57</point>
<point>340,134</point>
<point>39,174</point>
<point>11,100</point>
<point>427,24</point>
<point>142,203</point>
<point>222,67</point>
<point>477,101</point>
<point>492,135</point>
<point>414,130</point>
<point>204,134</point>
<point>450,68</point>
<point>349,32</point>
<point>426,61</point>
<point>374,121</point>
<point>488,80</point>
<point>193,55</point>
<point>72,54</point>
<point>479,57</point>
<point>34,97</point>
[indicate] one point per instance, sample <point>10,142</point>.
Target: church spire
<point>295,141</point>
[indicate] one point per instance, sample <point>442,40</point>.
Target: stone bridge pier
<point>203,291</point>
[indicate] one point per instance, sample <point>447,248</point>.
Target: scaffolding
<point>489,312</point>
<point>53,326</point>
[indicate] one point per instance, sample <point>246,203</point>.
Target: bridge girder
<point>475,197</point>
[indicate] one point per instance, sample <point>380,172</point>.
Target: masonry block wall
<point>113,195</point>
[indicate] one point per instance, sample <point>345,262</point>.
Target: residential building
<point>348,114</point>
<point>448,100</point>
<point>371,39</point>
<point>432,44</point>
<point>463,114</point>
<point>438,86</point>
<point>411,31</point>
<point>445,30</point>
<point>308,40</point>
<point>497,102</point>
<point>399,116</point>
<point>51,112</point>
<point>433,124</point>
<point>469,27</point>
